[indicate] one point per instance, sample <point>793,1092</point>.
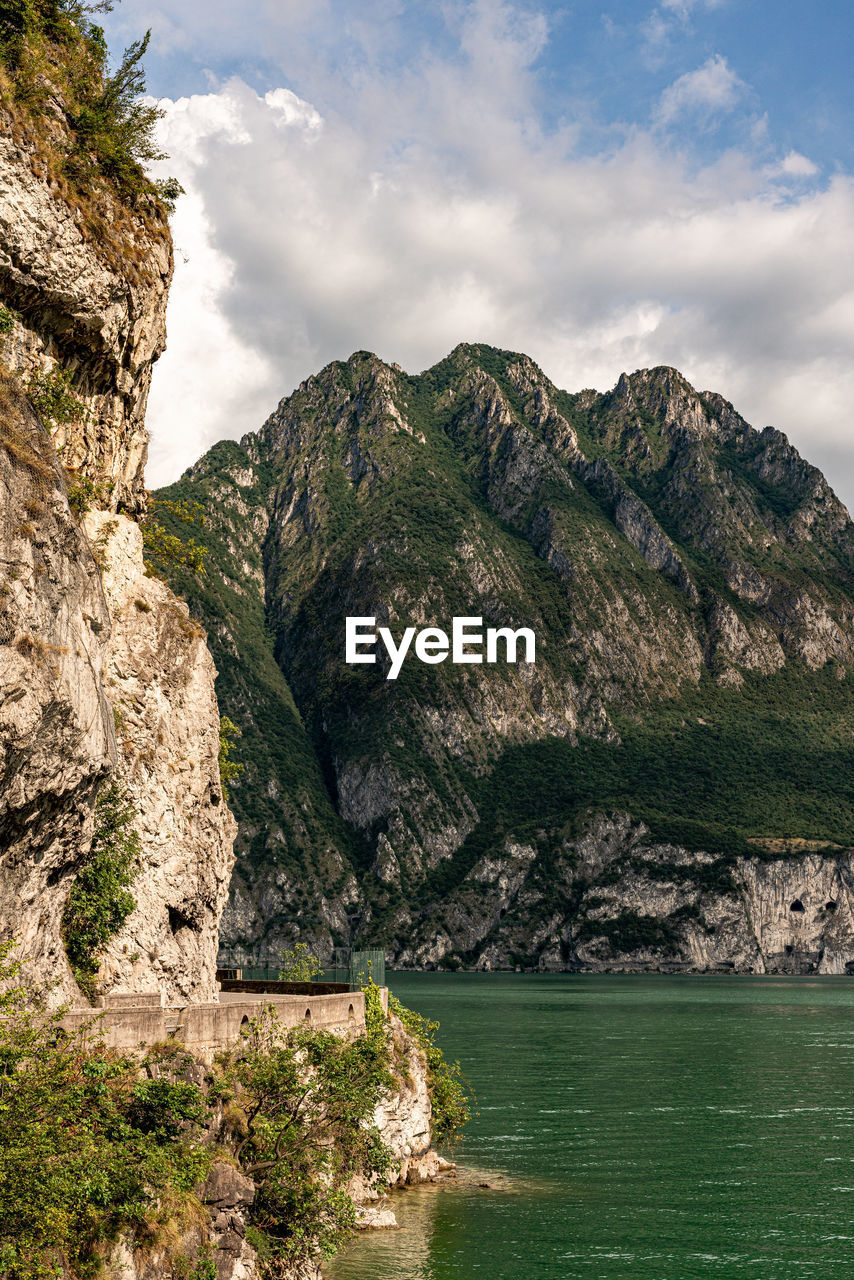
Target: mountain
<point>656,790</point>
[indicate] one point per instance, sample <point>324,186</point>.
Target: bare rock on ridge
<point>56,728</point>
<point>160,680</point>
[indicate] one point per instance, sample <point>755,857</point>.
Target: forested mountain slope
<point>676,760</point>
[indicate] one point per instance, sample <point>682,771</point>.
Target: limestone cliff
<point>84,276</point>
<point>89,300</point>
<point>615,900</point>
<point>159,679</point>
<point>56,726</point>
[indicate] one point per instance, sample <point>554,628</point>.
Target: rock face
<point>690,581</point>
<point>83,286</point>
<point>92,304</point>
<point>614,900</point>
<point>56,726</point>
<point>159,677</point>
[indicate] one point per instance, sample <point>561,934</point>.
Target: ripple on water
<point>651,1128</point>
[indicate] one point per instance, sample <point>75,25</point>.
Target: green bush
<point>228,769</point>
<point>299,965</point>
<point>100,900</point>
<point>116,126</point>
<point>52,396</point>
<point>164,551</point>
<point>8,318</point>
<point>87,1150</point>
<point>83,491</point>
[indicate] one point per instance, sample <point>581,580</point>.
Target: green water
<point>650,1129</point>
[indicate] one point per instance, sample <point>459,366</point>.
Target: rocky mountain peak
<point>665,554</point>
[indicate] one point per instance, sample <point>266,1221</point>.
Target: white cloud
<point>435,211</point>
<point>684,8</point>
<point>713,89</point>
<point>794,165</point>
<point>668,21</point>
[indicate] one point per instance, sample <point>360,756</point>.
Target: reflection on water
<point>650,1128</point>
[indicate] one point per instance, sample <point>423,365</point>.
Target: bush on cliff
<point>305,1101</point>
<point>88,1148</point>
<point>100,900</point>
<point>95,1145</point>
<point>53,49</point>
<point>164,551</point>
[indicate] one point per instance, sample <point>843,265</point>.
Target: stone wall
<point>131,1023</point>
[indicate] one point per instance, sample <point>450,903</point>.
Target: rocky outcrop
<point>219,1235</point>
<point>93,303</point>
<point>159,677</point>
<point>613,900</point>
<point>56,726</point>
<point>84,277</point>
<point>218,1230</point>
<point>403,1118</point>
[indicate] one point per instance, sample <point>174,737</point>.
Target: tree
<point>308,1098</point>
<point>299,965</point>
<point>228,769</point>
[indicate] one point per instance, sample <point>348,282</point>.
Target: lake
<point>649,1128</point>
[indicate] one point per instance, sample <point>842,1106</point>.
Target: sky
<point>603,186</point>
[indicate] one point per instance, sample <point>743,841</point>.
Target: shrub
<point>299,965</point>
<point>165,551</point>
<point>52,396</point>
<point>230,769</point>
<point>116,126</point>
<point>8,317</point>
<point>87,1150</point>
<point>82,492</point>
<point>91,1146</point>
<point>100,900</point>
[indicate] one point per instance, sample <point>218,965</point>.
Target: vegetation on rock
<point>306,1099</point>
<point>228,769</point>
<point>89,1147</point>
<point>164,551</point>
<point>451,1097</point>
<point>100,899</point>
<point>690,581</point>
<point>51,393</point>
<point>51,50</point>
<point>95,1145</point>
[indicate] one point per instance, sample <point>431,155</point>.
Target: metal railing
<point>350,966</point>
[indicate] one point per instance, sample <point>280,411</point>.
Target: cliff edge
<point>91,647</point>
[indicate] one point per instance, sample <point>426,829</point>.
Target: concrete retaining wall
<point>206,1029</point>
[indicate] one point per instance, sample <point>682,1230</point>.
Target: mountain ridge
<point>664,551</point>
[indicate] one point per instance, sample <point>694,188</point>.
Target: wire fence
<point>350,967</point>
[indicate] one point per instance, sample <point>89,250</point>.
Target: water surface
<point>650,1129</point>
